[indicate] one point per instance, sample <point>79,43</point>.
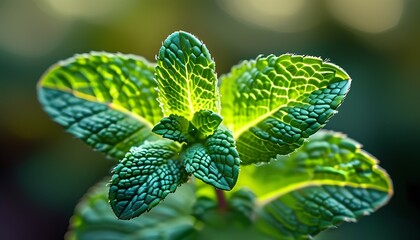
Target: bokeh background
<point>44,171</point>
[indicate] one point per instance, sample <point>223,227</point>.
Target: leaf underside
<point>94,219</point>
<point>107,100</point>
<point>185,74</point>
<point>145,177</point>
<point>273,104</point>
<point>216,162</point>
<point>325,182</point>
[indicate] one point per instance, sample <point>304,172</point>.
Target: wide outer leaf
<point>186,77</point>
<point>94,219</point>
<point>325,182</point>
<point>145,177</point>
<point>273,104</point>
<point>107,100</point>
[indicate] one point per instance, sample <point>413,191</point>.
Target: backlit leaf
<point>330,179</point>
<point>243,202</point>
<point>176,128</point>
<point>107,100</point>
<point>186,76</point>
<point>206,122</point>
<point>273,104</point>
<point>144,177</point>
<point>94,219</point>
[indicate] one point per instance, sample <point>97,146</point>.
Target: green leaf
<point>206,122</point>
<point>202,206</point>
<point>107,100</point>
<point>243,202</point>
<point>186,76</point>
<point>94,219</point>
<point>330,179</point>
<point>232,221</point>
<point>273,104</point>
<point>216,162</point>
<point>144,177</point>
<point>176,128</point>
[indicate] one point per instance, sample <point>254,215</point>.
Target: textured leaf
<point>176,128</point>
<point>107,100</point>
<point>215,162</point>
<point>273,103</point>
<point>325,182</point>
<point>243,202</point>
<point>186,76</point>
<point>202,206</point>
<point>171,220</point>
<point>206,122</point>
<point>233,221</point>
<point>144,177</point>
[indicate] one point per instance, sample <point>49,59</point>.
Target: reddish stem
<point>221,200</point>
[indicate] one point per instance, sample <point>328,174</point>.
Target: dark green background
<point>44,171</point>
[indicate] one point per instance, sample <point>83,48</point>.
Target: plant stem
<point>221,200</point>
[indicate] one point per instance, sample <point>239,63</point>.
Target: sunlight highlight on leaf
<point>273,104</point>
<point>107,100</point>
<point>330,179</point>
<point>186,76</point>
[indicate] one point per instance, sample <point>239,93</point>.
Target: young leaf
<point>107,100</point>
<point>273,103</point>
<point>206,122</point>
<point>186,76</point>
<point>144,177</point>
<point>215,162</point>
<point>174,127</point>
<point>178,128</point>
<point>94,219</point>
<point>325,182</point>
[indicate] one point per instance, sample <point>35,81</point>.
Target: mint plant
<point>247,157</point>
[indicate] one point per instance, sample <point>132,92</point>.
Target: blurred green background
<point>44,171</point>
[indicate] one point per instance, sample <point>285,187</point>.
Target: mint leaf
<point>176,128</point>
<point>216,162</point>
<point>94,219</point>
<point>206,122</point>
<point>144,177</point>
<point>186,78</point>
<point>243,202</point>
<point>107,100</point>
<point>273,104</point>
<point>327,181</point>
